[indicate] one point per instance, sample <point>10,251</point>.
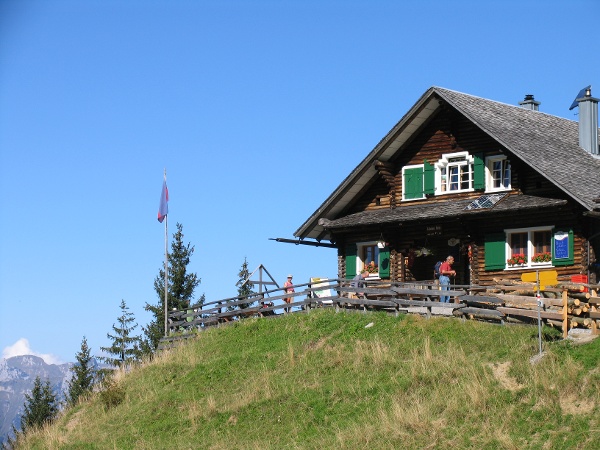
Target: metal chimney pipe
<point>588,122</point>
<point>530,103</point>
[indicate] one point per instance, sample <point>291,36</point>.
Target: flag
<point>163,208</point>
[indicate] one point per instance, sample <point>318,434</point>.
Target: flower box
<point>517,260</point>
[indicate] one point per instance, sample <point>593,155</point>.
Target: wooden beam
<point>530,313</point>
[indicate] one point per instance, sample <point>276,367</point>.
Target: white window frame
<point>530,247</point>
<point>458,159</point>
<point>489,173</point>
<point>360,264</point>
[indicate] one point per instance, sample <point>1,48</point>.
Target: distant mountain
<point>17,375</point>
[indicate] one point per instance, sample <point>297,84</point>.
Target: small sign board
<point>561,245</point>
<point>547,278</point>
<point>434,230</point>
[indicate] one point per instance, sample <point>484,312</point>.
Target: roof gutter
<point>302,242</point>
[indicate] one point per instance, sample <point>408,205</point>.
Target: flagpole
<point>166,274</point>
<point>166,266</point>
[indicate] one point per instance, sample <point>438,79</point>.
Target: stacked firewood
<point>564,306</point>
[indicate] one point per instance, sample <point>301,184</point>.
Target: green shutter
<point>429,178</point>
<point>564,261</point>
<point>495,251</point>
<point>384,263</point>
<point>350,261</point>
<point>413,183</point>
<point>478,172</point>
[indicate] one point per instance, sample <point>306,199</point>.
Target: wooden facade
<point>532,203</point>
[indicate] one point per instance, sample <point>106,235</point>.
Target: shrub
<point>113,395</point>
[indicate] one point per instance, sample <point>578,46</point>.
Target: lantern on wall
<point>381,242</point>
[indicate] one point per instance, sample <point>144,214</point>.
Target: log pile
<point>565,306</point>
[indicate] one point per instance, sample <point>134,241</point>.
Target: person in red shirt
<point>288,287</point>
<point>446,272</point>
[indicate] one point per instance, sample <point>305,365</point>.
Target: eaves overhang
<point>365,173</point>
<point>445,210</point>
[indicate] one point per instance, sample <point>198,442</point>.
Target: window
<point>497,173</point>
<point>454,173</point>
<point>369,258</point>
<point>367,255</point>
<point>529,247</point>
<point>417,181</point>
<point>541,242</point>
<point>412,183</point>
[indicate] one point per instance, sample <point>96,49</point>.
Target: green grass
<point>324,381</point>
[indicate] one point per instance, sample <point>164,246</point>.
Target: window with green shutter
<point>478,172</point>
<point>384,263</point>
<point>429,181</point>
<point>536,247</point>
<point>412,183</point>
<point>350,261</point>
<point>495,251</point>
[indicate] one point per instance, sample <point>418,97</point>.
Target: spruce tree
<point>84,375</point>
<point>125,346</point>
<point>244,285</point>
<point>181,287</point>
<point>40,407</point>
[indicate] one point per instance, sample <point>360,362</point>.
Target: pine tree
<point>40,407</point>
<point>84,374</point>
<point>181,287</point>
<point>125,346</point>
<point>244,285</point>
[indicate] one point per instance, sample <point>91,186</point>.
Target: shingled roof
<point>445,209</point>
<point>546,143</point>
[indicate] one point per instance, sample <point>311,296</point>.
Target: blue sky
<point>257,110</point>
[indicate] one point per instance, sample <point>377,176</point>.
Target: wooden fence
<point>564,307</point>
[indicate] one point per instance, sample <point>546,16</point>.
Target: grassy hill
<point>329,381</point>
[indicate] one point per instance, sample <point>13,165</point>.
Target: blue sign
<point>561,245</point>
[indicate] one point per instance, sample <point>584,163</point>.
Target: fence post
<point>565,317</point>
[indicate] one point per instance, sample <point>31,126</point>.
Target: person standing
<point>446,272</point>
<point>358,282</point>
<point>288,288</point>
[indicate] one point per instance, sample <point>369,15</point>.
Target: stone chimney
<point>530,103</point>
<point>588,122</point>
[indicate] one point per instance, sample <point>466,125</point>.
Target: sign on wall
<point>434,230</point>
<point>561,245</point>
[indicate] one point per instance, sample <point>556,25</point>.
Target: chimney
<point>588,122</point>
<point>530,103</point>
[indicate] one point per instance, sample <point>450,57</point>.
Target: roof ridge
<point>441,91</point>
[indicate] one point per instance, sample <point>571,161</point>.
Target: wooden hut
<point>504,189</point>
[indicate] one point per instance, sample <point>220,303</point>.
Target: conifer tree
<point>244,285</point>
<point>125,346</point>
<point>181,287</point>
<point>84,374</point>
<point>40,407</point>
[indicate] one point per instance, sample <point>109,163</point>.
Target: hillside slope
<point>327,381</point>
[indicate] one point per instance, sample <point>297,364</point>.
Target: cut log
<point>581,296</point>
<point>519,301</point>
<point>594,300</point>
<point>555,323</point>
<point>481,301</point>
<point>519,320</point>
<point>577,311</point>
<point>585,321</point>
<point>573,287</point>
<point>487,314</point>
<point>530,313</point>
<point>594,314</point>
